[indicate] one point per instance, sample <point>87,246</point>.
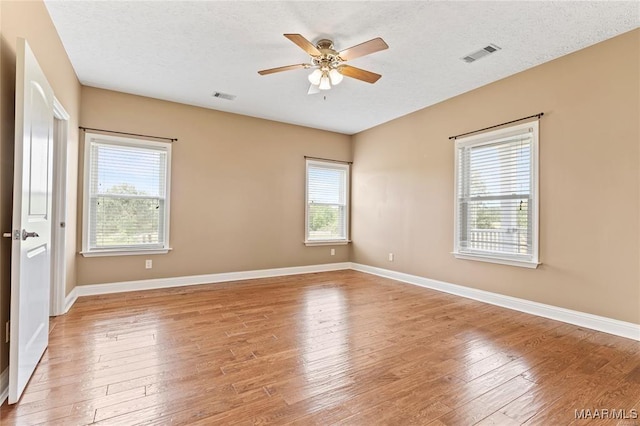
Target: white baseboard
<point>4,385</point>
<point>582,319</point>
<point>70,299</point>
<point>107,288</point>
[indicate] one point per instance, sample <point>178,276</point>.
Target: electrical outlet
<point>390,257</point>
<point>148,264</point>
<point>333,252</point>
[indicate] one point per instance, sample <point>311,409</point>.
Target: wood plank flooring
<point>341,348</point>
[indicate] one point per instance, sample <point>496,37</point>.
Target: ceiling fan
<point>328,64</point>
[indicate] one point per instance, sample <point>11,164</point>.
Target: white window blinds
<point>327,209</point>
<point>127,205</point>
<point>496,194</point>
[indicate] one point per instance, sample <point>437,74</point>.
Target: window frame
<point>340,165</point>
<point>493,137</point>
<point>163,247</point>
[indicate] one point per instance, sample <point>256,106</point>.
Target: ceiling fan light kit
<point>328,64</point>
<point>324,78</point>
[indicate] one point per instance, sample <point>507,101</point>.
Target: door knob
<point>26,234</point>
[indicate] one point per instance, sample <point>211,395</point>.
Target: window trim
<point>490,138</point>
<point>336,165</point>
<point>122,251</point>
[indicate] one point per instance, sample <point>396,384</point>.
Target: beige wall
<point>237,195</point>
<point>403,175</point>
<point>30,20</point>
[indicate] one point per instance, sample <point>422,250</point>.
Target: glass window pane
<point>327,197</point>
<point>127,193</point>
<point>494,186</point>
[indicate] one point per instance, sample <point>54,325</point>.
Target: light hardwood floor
<point>328,348</point>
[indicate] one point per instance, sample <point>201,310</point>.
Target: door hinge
<point>6,332</point>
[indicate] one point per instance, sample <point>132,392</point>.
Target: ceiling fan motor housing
<point>329,57</point>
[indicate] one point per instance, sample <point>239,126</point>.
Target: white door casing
<point>59,215</point>
<point>31,230</point>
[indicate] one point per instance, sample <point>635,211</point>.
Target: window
<point>496,212</point>
<point>327,206</point>
<point>126,196</point>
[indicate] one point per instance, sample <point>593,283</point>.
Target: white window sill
<point>122,252</point>
<point>500,260</point>
<point>327,243</point>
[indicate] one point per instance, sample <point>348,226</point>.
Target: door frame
<point>59,209</point>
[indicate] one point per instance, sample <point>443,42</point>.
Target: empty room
<point>319,213</point>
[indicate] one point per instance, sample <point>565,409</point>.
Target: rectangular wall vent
<point>487,50</point>
<point>223,96</point>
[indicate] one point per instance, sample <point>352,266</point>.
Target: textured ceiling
<point>184,51</point>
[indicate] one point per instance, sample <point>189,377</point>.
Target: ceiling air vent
<point>223,96</point>
<point>472,57</point>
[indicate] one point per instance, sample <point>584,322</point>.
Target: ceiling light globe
<point>335,77</point>
<point>325,84</point>
<point>314,77</point>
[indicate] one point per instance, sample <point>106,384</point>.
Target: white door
<point>31,230</point>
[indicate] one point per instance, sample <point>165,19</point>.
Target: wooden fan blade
<point>366,48</point>
<point>304,44</point>
<point>286,68</point>
<point>359,74</point>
